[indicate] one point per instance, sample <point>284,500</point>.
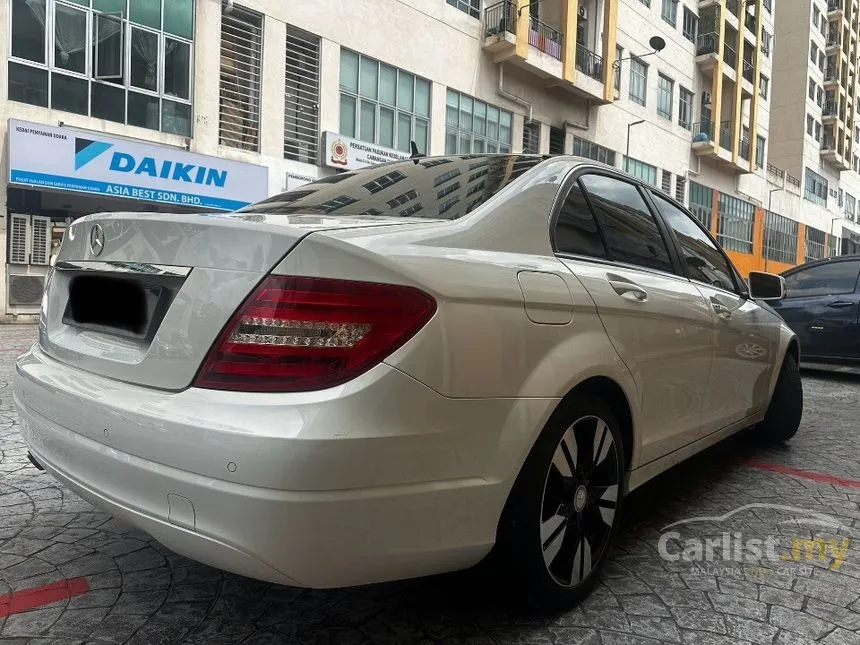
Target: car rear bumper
<point>379,479</point>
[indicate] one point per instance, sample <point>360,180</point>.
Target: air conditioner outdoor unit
<point>583,13</point>
<point>26,290</point>
<point>706,98</point>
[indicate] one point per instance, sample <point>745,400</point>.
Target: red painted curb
<point>821,478</point>
<point>20,601</point>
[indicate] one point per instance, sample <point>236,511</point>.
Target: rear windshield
<point>429,188</point>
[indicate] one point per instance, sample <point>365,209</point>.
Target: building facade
<point>177,105</point>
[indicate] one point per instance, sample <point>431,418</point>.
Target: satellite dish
<point>657,43</point>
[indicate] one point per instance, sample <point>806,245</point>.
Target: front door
<point>822,306</point>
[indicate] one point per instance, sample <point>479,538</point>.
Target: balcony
<point>730,56</point>
<point>748,86</point>
<point>744,149</point>
<point>734,7</point>
<point>831,154</point>
<point>749,23</point>
<point>706,44</point>
<point>830,110</point>
<point>544,52</point>
<point>718,149</point>
<point>834,7</point>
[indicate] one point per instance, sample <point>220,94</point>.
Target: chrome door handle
<point>629,291</point>
<point>722,311</point>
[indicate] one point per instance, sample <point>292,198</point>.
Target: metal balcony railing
<point>730,56</point>
<point>834,5</point>
<point>500,18</point>
<point>707,43</point>
<point>830,108</point>
<point>547,39</point>
<point>828,143</point>
<point>733,6</point>
<point>703,132</point>
<point>830,73</point>
<point>745,149</point>
<point>749,71</point>
<point>589,63</point>
<point>726,135</point>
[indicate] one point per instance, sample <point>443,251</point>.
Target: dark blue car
<point>822,306</point>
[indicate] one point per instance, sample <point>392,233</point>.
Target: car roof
<point>815,263</point>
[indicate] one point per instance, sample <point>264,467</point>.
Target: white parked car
<point>401,371</point>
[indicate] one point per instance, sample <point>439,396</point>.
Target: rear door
<point>657,320</point>
<point>822,306</point>
<point>745,335</point>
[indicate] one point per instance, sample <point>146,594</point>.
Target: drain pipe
<point>513,97</point>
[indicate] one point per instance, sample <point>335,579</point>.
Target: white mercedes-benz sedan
<point>401,371</point>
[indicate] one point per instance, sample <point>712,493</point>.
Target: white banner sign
<point>352,154</point>
<point>45,156</point>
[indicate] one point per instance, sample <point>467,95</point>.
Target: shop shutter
<point>41,240</point>
<point>18,228</point>
<point>301,117</point>
<point>241,67</point>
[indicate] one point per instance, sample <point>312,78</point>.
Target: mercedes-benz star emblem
<point>97,240</point>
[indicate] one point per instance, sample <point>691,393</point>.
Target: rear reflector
<point>297,334</point>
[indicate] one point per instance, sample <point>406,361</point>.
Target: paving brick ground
<point>139,592</point>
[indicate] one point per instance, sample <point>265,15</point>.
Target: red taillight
<point>296,334</point>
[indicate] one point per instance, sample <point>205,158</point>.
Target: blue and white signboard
<point>44,156</point>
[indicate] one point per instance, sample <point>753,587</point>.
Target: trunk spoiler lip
<point>140,268</point>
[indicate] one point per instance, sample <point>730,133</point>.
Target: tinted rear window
<point>430,188</point>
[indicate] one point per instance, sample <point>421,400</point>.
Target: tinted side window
<point>823,280</point>
<point>701,257</point>
<point>629,228</point>
<point>576,231</point>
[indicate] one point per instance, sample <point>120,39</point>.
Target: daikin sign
<point>44,156</point>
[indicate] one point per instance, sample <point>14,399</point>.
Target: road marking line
<point>20,601</point>
<point>821,478</point>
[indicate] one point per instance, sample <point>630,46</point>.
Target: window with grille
<point>475,126</point>
<point>556,141</point>
<point>832,246</point>
<point>666,182</point>
<point>735,223</point>
<point>471,7</point>
<point>815,243</point>
<point>702,203</point>
<point>301,114</point>
<point>382,104</point>
<point>816,188</point>
<point>586,148</point>
<point>691,25</point>
<point>680,188</point>
<point>241,69</point>
<point>641,170</point>
<point>531,138</point>
<point>780,238</point>
<point>638,81</point>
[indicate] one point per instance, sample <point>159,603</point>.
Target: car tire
<point>562,515</point>
<point>783,415</point>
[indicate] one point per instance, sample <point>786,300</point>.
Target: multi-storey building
<point>171,105</point>
<point>814,134</point>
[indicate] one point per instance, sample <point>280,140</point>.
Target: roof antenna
<point>415,153</point>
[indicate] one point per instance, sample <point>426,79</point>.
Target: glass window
<point>586,148</point>
<point>28,84</point>
<point>471,7</point>
<point>416,195</point>
<point>761,143</point>
<point>531,138</point>
<point>703,261</point>
<point>143,110</point>
<point>691,25</point>
<point>780,238</point>
<point>669,11</point>
<point>144,60</point>
<point>177,69</point>
<point>832,278</point>
<point>179,18</point>
<point>109,57</point>
<point>735,223</point>
<point>685,108</point>
<point>28,30</point>
<point>638,81</point>
<point>71,94</point>
<point>641,170</point>
<point>381,88</point>
<point>619,55</point>
<point>576,230</point>
<point>764,86</point>
<point>702,203</point>
<point>816,188</point>
<point>70,41</point>
<point>146,12</point>
<point>108,102</point>
<point>815,244</point>
<point>628,227</point>
<point>475,126</point>
<point>176,117</point>
<point>665,93</point>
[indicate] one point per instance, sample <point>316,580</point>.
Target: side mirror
<point>766,286</point>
